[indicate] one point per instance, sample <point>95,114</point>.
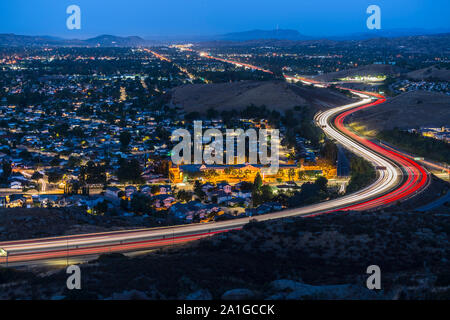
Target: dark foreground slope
<point>297,258</point>
<point>23,223</point>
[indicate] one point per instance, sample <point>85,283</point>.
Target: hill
<point>431,73</point>
<point>13,40</point>
<point>282,34</point>
<point>324,257</point>
<point>277,95</point>
<point>114,41</point>
<point>407,110</point>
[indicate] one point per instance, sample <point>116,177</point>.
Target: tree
<point>101,207</point>
<point>282,198</point>
<point>289,119</point>
<point>25,154</point>
<point>362,174</point>
<point>124,204</point>
<point>415,143</point>
<point>154,189</point>
<point>198,190</point>
<point>257,190</point>
<point>162,133</point>
<point>7,170</point>
<point>211,113</point>
<point>73,162</point>
<point>257,183</point>
<point>140,203</point>
<point>184,195</point>
<point>266,193</point>
<point>125,139</point>
<point>78,132</point>
<point>302,175</point>
<point>291,174</point>
<point>322,182</point>
<point>54,176</point>
<point>55,161</point>
<point>246,186</point>
<point>37,176</point>
<point>129,171</point>
<point>310,193</point>
<point>210,174</point>
<point>191,116</point>
<point>329,151</point>
<point>93,173</point>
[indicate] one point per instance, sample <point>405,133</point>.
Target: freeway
<point>184,70</point>
<point>233,62</point>
<point>398,178</point>
<point>427,163</point>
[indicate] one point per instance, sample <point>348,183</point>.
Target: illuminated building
<point>248,172</point>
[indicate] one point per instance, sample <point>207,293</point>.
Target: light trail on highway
<point>430,164</point>
<point>233,62</point>
<point>183,70</point>
<point>399,178</point>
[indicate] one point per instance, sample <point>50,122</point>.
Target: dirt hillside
<point>408,110</point>
<point>277,95</point>
<point>430,73</point>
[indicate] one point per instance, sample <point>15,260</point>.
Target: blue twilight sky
<point>148,18</point>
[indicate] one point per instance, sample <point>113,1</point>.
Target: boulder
<point>130,295</point>
<point>293,290</point>
<point>201,294</point>
<point>238,294</point>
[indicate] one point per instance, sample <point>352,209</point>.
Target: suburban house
<point>162,201</point>
<point>187,212</point>
<point>112,192</point>
<point>218,196</point>
<point>165,189</point>
<point>129,190</point>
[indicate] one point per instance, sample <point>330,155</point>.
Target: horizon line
<point>413,32</point>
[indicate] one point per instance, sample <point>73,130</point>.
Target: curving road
<point>398,178</point>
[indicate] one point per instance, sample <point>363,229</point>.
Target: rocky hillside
<point>21,223</point>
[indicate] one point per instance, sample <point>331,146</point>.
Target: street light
<point>4,253</point>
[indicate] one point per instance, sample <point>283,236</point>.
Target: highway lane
<point>434,165</point>
<point>416,177</point>
<point>233,62</point>
<point>398,179</point>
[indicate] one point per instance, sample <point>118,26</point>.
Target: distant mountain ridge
<point>294,35</point>
<point>281,34</point>
<point>112,41</point>
<point>388,33</point>
<point>13,40</point>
